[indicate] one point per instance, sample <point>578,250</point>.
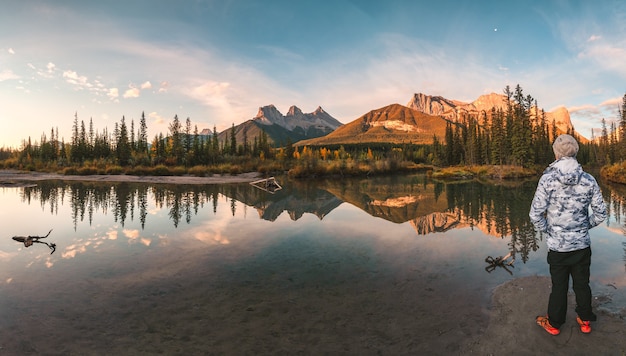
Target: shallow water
<point>153,268</point>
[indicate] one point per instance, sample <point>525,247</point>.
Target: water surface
<point>161,268</point>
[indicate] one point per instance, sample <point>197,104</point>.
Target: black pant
<point>562,265</point>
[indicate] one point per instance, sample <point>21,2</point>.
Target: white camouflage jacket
<point>560,208</point>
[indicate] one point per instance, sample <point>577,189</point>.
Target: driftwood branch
<point>269,185</point>
<point>500,262</point>
<point>30,240</point>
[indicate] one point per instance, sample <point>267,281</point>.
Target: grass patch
<point>615,172</point>
<point>486,172</point>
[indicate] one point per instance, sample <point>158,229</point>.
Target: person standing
<point>560,210</point>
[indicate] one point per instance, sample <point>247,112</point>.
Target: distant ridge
<point>423,117</point>
<point>394,123</point>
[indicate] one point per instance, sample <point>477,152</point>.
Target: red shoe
<point>585,326</point>
<point>545,324</point>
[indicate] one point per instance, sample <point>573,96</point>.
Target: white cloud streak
<point>8,74</point>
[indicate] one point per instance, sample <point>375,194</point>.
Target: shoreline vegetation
<point>232,173</point>
<point>615,173</point>
<point>248,170</point>
<point>205,175</point>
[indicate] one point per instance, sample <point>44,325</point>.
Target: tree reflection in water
<point>499,210</point>
<point>615,196</point>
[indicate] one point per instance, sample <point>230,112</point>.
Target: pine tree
<point>196,150</point>
<point>123,148</point>
<point>485,140</point>
<point>142,135</point>
<point>495,148</point>
<point>472,147</point>
<point>187,137</point>
<point>82,142</point>
<point>604,145</point>
<point>92,136</point>
<point>75,154</point>
<point>133,143</point>
<point>289,149</point>
<point>449,146</point>
<point>246,149</point>
<point>613,143</point>
<point>233,141</point>
<point>175,146</point>
<point>622,130</point>
<point>520,135</point>
<point>216,146</point>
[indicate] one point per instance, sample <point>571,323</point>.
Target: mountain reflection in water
<point>429,206</point>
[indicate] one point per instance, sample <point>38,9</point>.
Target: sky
<point>217,61</point>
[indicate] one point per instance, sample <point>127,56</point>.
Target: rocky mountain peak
<point>561,118</point>
<point>315,123</point>
<point>487,101</point>
<point>269,112</point>
<point>432,105</point>
<point>453,109</point>
<point>319,110</point>
<point>294,111</point>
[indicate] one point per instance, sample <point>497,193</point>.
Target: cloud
<point>47,73</point>
<point>131,233</point>
<point>113,93</point>
<point>613,102</point>
<point>594,38</point>
<point>211,93</point>
<point>579,108</point>
<point>606,50</point>
<point>73,78</point>
<point>158,119</point>
<point>134,91</point>
<point>223,100</point>
<point>163,87</point>
<point>131,93</point>
<point>8,75</point>
<point>73,250</point>
<point>11,51</point>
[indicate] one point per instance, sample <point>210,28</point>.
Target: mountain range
<point>280,129</point>
<point>416,122</point>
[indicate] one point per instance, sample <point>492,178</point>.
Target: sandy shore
<point>512,330</point>
<point>16,178</point>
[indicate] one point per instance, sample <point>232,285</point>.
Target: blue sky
<point>217,62</point>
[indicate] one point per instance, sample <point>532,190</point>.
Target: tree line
<point>518,134</point>
<point>127,146</point>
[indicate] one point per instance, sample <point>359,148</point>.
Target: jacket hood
<point>567,170</point>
